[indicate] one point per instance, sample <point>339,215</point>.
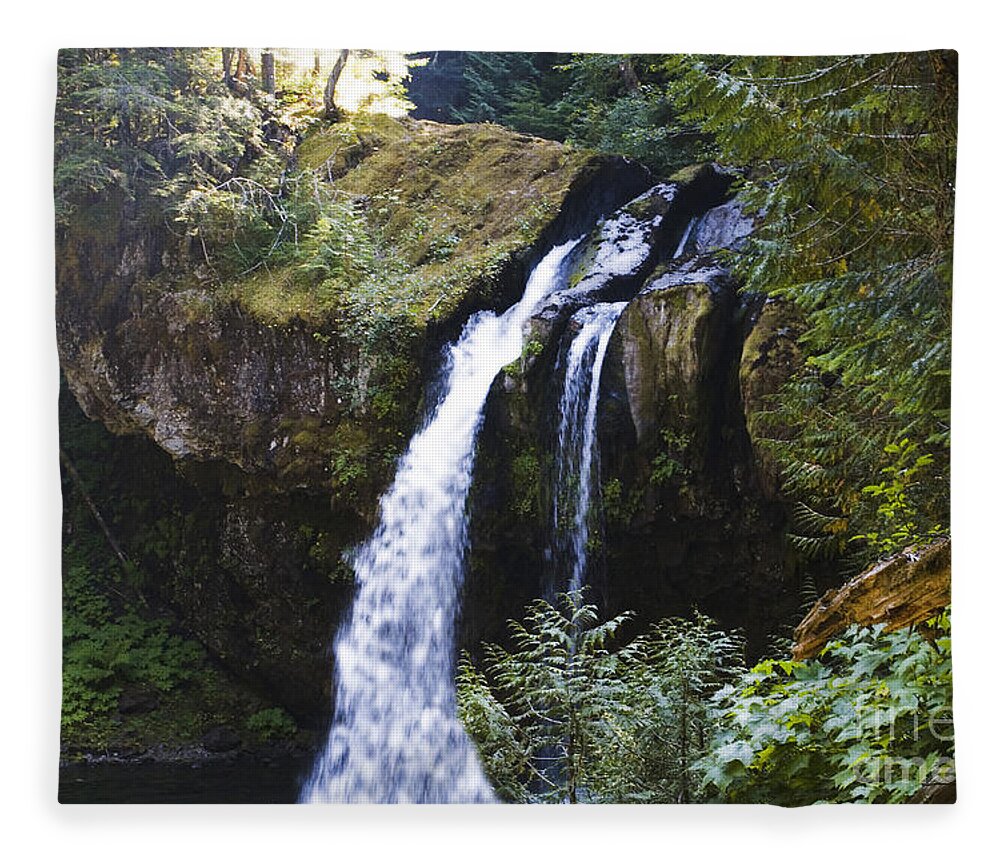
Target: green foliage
<point>675,717</point>
<point>271,724</point>
<point>619,508</point>
<point>138,119</point>
<point>851,160</point>
<point>105,650</point>
<point>565,717</point>
<point>338,246</point>
<point>669,462</point>
<point>533,348</point>
<point>623,104</point>
<point>549,717</point>
<point>670,674</point>
<point>898,514</point>
<point>868,721</point>
<point>517,89</point>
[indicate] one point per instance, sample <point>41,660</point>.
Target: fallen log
<point>899,592</point>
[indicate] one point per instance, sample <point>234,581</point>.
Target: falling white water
<point>684,239</point>
<point>577,428</point>
<point>395,734</point>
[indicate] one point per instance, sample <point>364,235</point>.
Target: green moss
<point>646,208</point>
<point>334,149</point>
<point>455,202</point>
<point>439,212</point>
<point>686,175</point>
<point>278,295</point>
<point>526,485</point>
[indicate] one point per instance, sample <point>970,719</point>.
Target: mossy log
<point>902,591</point>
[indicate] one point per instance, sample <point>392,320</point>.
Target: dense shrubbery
<point>674,715</point>
<point>869,720</point>
<point>106,649</point>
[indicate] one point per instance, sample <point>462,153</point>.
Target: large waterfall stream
<point>576,465</point>
<point>395,735</point>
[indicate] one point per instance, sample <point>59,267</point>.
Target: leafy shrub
<point>867,721</point>
<point>674,716</point>
<point>103,651</point>
<point>898,517</point>
<point>566,718</point>
<point>271,724</point>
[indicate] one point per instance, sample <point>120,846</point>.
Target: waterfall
<point>684,239</point>
<point>576,466</point>
<point>395,735</point>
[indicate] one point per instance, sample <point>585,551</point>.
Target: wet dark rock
<point>771,354</point>
<point>688,523</point>
<point>688,518</point>
<point>219,739</point>
<point>722,227</point>
<point>138,701</point>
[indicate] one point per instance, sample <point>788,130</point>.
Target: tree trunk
<point>267,72</point>
<point>237,80</point>
<point>626,72</point>
<point>244,66</point>
<point>329,94</point>
<point>227,66</point>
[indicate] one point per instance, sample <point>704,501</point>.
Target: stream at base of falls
<point>245,779</point>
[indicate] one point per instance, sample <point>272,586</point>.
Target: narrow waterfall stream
<point>395,736</point>
<point>576,463</point>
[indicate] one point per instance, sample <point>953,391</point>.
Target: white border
<point>31,617</point>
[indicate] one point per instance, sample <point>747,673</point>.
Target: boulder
<point>134,700</point>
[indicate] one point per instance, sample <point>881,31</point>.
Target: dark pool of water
<point>240,781</point>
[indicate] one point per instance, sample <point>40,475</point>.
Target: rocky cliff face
<point>686,516</point>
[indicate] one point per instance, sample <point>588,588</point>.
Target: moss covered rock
<point>771,355</point>
<point>670,339</point>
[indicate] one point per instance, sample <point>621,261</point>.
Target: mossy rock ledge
<point>261,375</point>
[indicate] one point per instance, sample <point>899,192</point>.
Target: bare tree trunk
<point>267,71</point>
<point>244,65</point>
<point>329,94</point>
<point>626,71</point>
<point>75,476</point>
<point>237,79</point>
